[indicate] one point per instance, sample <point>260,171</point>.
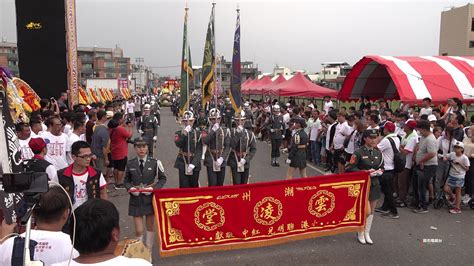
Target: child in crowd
<point>459,165</point>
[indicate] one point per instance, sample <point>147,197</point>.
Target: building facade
<point>332,74</point>
<point>224,72</point>
<point>95,62</point>
<point>456,36</point>
<point>9,57</point>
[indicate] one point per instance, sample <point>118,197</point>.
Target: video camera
<point>30,184</point>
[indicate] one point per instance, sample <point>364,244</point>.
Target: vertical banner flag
<point>186,68</point>
<point>236,79</point>
<point>208,63</point>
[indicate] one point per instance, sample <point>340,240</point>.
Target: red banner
<point>261,214</point>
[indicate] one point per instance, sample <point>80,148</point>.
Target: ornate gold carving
<point>322,203</point>
<point>268,211</point>
<point>172,208</point>
<point>209,216</point>
<point>175,235</point>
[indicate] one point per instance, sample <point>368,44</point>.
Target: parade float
<point>167,91</point>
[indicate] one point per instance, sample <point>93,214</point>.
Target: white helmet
<point>240,115</point>
<point>276,108</point>
<point>152,102</point>
<point>246,105</point>
<point>146,107</point>
<point>188,115</point>
<point>214,113</point>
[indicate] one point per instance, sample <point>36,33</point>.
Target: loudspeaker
<point>42,51</point>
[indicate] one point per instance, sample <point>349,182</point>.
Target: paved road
<point>396,241</point>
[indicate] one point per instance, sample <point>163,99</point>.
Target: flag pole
<point>214,50</point>
<point>186,8</point>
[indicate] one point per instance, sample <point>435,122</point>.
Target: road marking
<point>316,169</point>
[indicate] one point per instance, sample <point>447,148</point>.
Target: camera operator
<point>52,245</point>
<point>97,235</point>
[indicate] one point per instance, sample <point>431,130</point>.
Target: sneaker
<point>381,210</point>
<point>390,215</point>
<point>465,199</point>
<point>420,210</point>
<point>119,187</point>
<point>400,204</point>
<point>455,211</point>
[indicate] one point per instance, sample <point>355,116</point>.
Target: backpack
<point>399,159</point>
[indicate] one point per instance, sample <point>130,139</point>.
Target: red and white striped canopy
<point>410,78</point>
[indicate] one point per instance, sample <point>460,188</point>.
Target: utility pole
<point>139,61</point>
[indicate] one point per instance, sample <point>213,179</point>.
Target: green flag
<point>186,68</point>
<point>208,63</point>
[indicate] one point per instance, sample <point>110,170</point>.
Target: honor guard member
<point>297,149</point>
<point>228,113</point>
<point>368,158</point>
<point>148,127</point>
<point>248,117</point>
<point>217,141</point>
<point>201,120</point>
<point>243,148</point>
<point>188,161</point>
<point>275,126</point>
<point>142,175</point>
<point>155,109</point>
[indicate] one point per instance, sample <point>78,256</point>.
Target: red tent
<point>257,88</point>
<point>246,85</point>
<point>280,79</point>
<point>300,86</point>
<point>410,78</point>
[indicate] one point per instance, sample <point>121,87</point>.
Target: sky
<point>300,35</point>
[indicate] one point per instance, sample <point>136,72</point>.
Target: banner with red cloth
<point>260,214</point>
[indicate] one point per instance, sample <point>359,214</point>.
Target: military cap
<point>139,141</point>
<point>370,133</point>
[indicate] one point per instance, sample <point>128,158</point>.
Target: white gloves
<point>283,136</point>
<point>219,161</point>
<point>240,128</point>
<point>133,191</point>
<point>149,191</point>
<point>155,138</point>
<point>288,161</point>
<point>373,172</point>
<point>215,127</point>
<point>191,167</point>
<point>188,128</point>
<point>242,161</point>
<point>140,131</point>
<point>272,130</point>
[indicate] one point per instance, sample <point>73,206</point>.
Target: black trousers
<point>386,183</point>
<point>215,178</point>
<point>187,181</point>
<point>240,178</point>
<point>276,143</point>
